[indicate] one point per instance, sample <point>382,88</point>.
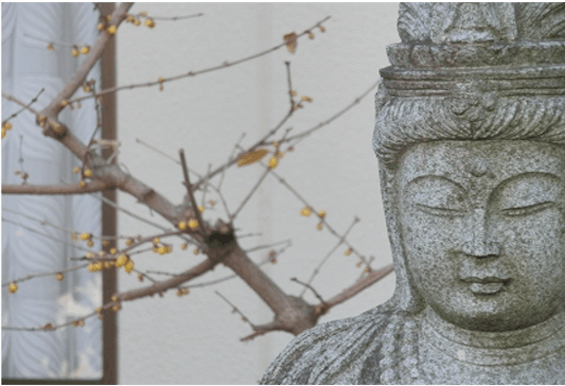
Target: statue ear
<point>405,296</point>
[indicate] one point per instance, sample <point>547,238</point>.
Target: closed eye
<point>440,211</point>
<point>528,210</point>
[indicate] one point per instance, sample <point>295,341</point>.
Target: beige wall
<point>195,339</point>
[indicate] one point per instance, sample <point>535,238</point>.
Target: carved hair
<point>403,122</point>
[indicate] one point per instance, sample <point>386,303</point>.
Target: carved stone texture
<point>470,137</point>
<point>27,67</point>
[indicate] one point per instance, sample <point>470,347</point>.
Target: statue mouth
<point>489,285</point>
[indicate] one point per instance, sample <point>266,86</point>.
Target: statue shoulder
<point>342,351</point>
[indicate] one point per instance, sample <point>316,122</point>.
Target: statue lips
<point>489,285</point>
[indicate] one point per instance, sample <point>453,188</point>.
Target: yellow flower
<point>348,252</point>
<point>13,287</point>
<point>48,326</point>
<point>306,211</point>
<point>201,209</point>
<point>121,260</point>
<point>98,309</point>
<point>150,23</point>
<point>100,27</point>
<point>108,17</point>
<point>114,298</point>
<point>162,250</point>
<point>320,226</point>
<point>143,13</point>
<point>116,308</point>
<point>366,270</point>
<point>137,23</point>
<point>90,243</point>
<point>196,251</point>
<point>182,225</point>
<point>85,49</point>
<point>76,169</point>
<point>169,248</point>
<point>322,213</point>
<point>7,126</point>
<point>4,133</point>
<point>129,19</point>
<point>113,251</point>
<point>82,183</point>
<point>91,267</point>
<point>212,202</point>
<point>129,266</point>
<point>63,103</point>
<point>359,264</point>
<point>193,223</point>
<point>184,247</point>
<point>75,52</point>
<point>111,30</point>
<point>85,236</point>
<point>87,173</point>
<point>86,88</point>
<point>322,28</point>
<point>60,276</point>
<point>51,47</point>
<point>90,255</point>
<point>105,243</point>
<point>306,99</point>
<point>155,240</point>
<point>273,162</point>
<point>140,276</point>
<point>74,236</point>
<point>129,241</point>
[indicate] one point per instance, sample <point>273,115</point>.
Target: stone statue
<point>470,137</point>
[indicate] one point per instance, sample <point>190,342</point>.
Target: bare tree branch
<point>91,187</point>
<point>195,73</point>
<point>349,292</point>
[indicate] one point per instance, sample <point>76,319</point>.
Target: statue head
<point>470,136</point>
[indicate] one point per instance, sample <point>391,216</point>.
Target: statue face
<point>483,230</point>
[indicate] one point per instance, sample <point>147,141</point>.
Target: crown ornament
<point>510,48</point>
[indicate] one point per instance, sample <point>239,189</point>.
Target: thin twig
<point>195,73</point>
<point>158,151</point>
<point>29,277</point>
<point>236,310</point>
<point>201,227</point>
<point>327,225</point>
<point>50,237</point>
<point>308,286</point>
<point>289,83</point>
<point>339,243</point>
<point>116,206</point>
<point>174,18</point>
<point>226,165</point>
<point>24,107</point>
<point>253,190</point>
<point>300,136</point>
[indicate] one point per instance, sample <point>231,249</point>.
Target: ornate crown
<point>509,48</point>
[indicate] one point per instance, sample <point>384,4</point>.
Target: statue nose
<point>478,241</point>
